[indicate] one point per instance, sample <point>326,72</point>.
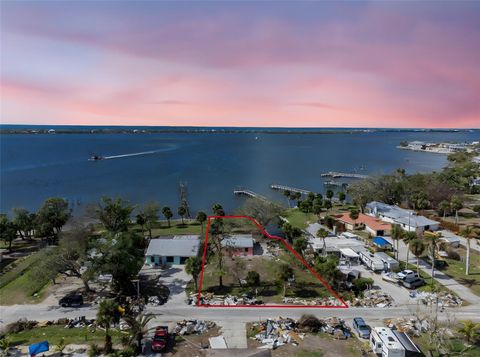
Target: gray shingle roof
<point>177,246</point>
<point>238,241</point>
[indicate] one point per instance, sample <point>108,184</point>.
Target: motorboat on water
<point>95,158</point>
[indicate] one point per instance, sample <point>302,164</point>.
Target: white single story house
<point>172,250</point>
<point>407,219</point>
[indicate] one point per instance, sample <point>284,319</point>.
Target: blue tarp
<point>381,242</point>
<point>37,348</point>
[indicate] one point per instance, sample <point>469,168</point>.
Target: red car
<point>160,339</point>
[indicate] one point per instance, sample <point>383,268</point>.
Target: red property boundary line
<point>268,236</point>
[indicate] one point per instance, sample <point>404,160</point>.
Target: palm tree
<point>329,194</point>
<point>138,328</point>
<point>469,330</point>
<point>456,204</point>
<point>182,211</point>
<point>443,207</point>
<point>141,220</point>
<point>433,237</point>
<point>287,194</point>
<point>297,196</point>
<point>397,234</point>
<point>408,237</point>
<point>167,212</point>
<point>341,196</point>
<point>108,314</point>
<point>354,216</point>
<point>417,247</point>
<point>286,273</point>
<point>468,233</point>
<point>201,218</point>
<point>193,266</point>
<point>323,233</point>
<point>218,210</point>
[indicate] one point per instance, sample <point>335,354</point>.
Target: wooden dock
<point>343,174</point>
<point>250,193</point>
<point>288,188</point>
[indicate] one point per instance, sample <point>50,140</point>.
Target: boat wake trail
<point>128,155</point>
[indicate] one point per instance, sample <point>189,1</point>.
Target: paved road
<point>236,315</point>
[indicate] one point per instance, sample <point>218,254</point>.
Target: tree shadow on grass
<point>469,282</point>
<point>220,290</point>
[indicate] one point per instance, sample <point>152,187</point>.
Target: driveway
<point>175,279</point>
<point>399,294</point>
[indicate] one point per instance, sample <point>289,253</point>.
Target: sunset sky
<point>293,64</point>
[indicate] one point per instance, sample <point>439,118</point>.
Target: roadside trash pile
<point>412,327</point>
<point>330,301</point>
<point>336,327</point>
<point>444,299</point>
<point>188,327</point>
<point>373,298</point>
<point>156,300</point>
<point>274,333</point>
<point>277,332</point>
<point>25,325</point>
<point>230,300</point>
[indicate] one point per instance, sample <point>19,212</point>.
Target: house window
<point>169,259</point>
<point>246,250</point>
<point>152,259</point>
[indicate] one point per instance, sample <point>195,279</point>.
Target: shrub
<point>362,284</point>
<point>453,254</point>
<point>94,350</point>
<point>309,323</point>
<point>476,208</point>
<point>253,278</point>
<point>20,325</point>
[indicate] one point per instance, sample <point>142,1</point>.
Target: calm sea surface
<point>35,167</point>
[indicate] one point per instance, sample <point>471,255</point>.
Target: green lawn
<point>176,228</point>
<point>456,270</point>
<point>18,285</point>
<point>54,334</point>
<point>300,219</point>
<point>455,344</point>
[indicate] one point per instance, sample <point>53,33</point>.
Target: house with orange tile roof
<point>372,225</point>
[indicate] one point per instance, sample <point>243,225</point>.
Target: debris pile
<point>336,327</point>
<point>412,327</point>
<point>330,301</point>
<point>444,299</point>
<point>188,327</point>
<point>77,322</point>
<point>230,300</point>
<point>156,300</point>
<point>373,298</point>
<point>277,332</point>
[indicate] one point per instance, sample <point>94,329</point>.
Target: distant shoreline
<point>52,130</point>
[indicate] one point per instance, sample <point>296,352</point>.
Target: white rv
<point>388,262</point>
<point>384,343</point>
<point>371,261</point>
